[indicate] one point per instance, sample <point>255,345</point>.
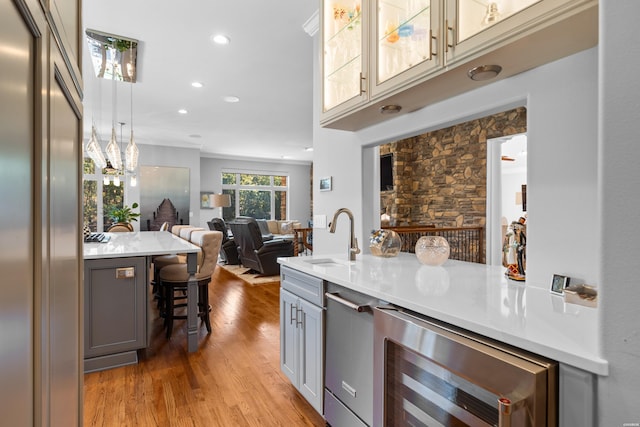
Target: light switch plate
<point>319,221</point>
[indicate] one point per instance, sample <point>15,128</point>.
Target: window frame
<point>98,176</point>
<point>272,188</point>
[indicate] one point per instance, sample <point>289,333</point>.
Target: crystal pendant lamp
<point>113,151</point>
<point>94,151</point>
<point>131,154</point>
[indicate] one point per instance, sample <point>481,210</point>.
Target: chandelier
<point>114,57</point>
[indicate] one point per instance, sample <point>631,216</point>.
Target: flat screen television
<point>386,172</point>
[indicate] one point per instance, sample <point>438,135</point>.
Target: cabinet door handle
<point>299,317</point>
<point>291,317</point>
<point>362,84</point>
<point>431,40</point>
<point>448,45</point>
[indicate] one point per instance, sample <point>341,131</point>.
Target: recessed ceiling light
<point>286,157</point>
<point>221,39</point>
<point>308,149</point>
<point>231,99</point>
<point>197,84</point>
<point>182,111</point>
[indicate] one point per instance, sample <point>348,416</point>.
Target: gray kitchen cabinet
<point>302,334</point>
<point>115,307</point>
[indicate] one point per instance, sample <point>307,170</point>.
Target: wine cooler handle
<point>506,408</point>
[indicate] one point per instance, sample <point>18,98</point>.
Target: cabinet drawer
<point>303,285</point>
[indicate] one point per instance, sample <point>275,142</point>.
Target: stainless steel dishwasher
<point>348,381</point>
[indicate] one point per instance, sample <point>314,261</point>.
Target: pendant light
<point>94,151</point>
<point>113,151</point>
<point>131,153</point>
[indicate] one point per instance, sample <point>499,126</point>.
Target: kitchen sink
<point>325,262</point>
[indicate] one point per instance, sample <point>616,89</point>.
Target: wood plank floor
<point>234,378</point>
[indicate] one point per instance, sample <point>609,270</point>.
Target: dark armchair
<point>254,252</point>
<point>229,249</point>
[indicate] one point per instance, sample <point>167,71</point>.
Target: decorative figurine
<point>514,255</point>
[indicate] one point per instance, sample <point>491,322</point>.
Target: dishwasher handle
<point>357,307</point>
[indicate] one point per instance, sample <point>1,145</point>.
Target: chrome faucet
<point>353,242</point>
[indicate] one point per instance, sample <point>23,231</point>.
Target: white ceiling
<point>268,65</point>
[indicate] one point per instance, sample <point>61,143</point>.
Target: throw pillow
<point>273,226</point>
<point>286,227</point>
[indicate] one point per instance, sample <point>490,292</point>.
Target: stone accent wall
<point>440,177</point>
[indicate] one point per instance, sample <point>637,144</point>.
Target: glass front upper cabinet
<point>406,38</point>
<point>343,44</point>
<point>475,26</point>
<point>475,16</point>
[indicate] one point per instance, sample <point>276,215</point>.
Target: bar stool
<point>174,279</point>
<point>183,231</point>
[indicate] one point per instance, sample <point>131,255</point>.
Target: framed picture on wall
<point>205,200</point>
<point>325,183</point>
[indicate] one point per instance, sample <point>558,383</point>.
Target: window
<point>255,195</point>
<point>95,209</point>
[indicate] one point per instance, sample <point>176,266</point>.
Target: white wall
<point>562,149</point>
<point>151,155</point>
<point>514,174</point>
<point>619,209</point>
<point>299,202</point>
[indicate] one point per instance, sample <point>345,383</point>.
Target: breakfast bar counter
<point>116,278</point>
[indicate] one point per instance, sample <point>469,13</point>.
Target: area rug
<point>250,278</point>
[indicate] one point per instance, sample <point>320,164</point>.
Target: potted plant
<point>124,215</point>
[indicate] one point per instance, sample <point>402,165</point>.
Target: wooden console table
<point>304,234</point>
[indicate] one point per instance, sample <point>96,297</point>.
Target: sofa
<point>255,253</point>
<point>277,229</point>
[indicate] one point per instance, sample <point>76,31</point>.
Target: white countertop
<point>139,243</point>
<point>475,297</point>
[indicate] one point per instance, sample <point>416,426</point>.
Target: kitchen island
<point>116,278</point>
<point>480,299</point>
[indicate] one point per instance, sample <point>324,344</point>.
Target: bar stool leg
<point>203,296</point>
<point>168,304</point>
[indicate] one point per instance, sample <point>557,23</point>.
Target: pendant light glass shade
<point>131,154</point>
<point>94,151</point>
<point>116,180</point>
<point>113,151</point>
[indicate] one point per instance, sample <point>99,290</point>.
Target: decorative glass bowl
<point>385,243</point>
<point>432,250</point>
